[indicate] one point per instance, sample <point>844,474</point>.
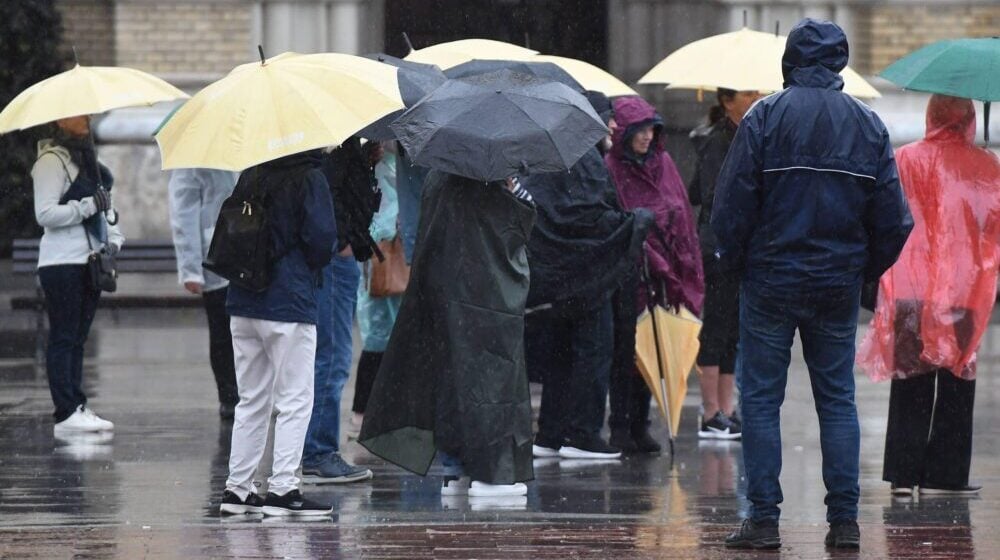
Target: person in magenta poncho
<point>646,177</point>
<point>935,303</point>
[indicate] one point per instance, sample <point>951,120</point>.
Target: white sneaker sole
<point>543,452</point>
<point>275,511</point>
<point>567,452</point>
<point>712,433</point>
<point>57,429</point>
<point>317,479</point>
<point>238,509</point>
<point>944,492</point>
<point>901,491</point>
<point>498,492</point>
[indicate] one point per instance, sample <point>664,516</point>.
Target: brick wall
<point>194,36</point>
<point>887,32</point>
<point>88,25</point>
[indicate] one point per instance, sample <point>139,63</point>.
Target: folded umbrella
<point>446,55</point>
<point>545,71</point>
<point>270,109</point>
<point>416,80</point>
<point>589,76</point>
<point>744,60</point>
<point>84,90</point>
<point>967,68</point>
<point>497,125</point>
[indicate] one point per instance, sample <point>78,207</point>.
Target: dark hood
<point>815,53</point>
<point>312,158</point>
<point>601,104</point>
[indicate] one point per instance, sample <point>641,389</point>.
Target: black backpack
<point>241,249</point>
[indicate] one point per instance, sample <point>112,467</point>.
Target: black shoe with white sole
<point>293,503</point>
<point>588,448</point>
<point>967,490</point>
<point>233,505</point>
<point>719,427</point>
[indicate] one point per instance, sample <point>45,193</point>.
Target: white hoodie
<point>63,241</point>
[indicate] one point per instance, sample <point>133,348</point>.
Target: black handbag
<point>102,271</point>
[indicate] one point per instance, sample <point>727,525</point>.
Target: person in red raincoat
<point>934,304</point>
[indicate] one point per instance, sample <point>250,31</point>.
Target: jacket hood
<point>601,104</point>
<point>312,158</point>
<point>630,113</point>
<point>50,145</point>
<point>950,119</point>
<point>815,53</point>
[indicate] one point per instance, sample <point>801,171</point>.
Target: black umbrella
<point>416,80</point>
<point>542,70</point>
<point>497,125</point>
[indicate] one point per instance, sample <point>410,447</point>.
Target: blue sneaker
<point>334,470</point>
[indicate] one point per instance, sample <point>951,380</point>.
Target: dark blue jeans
<point>827,321</point>
<point>573,357</point>
<point>409,187</point>
<point>335,303</point>
<point>71,306</point>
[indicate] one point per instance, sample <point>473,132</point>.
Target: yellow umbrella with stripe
<point>266,110</point>
<point>590,77</point>
<point>84,90</point>
<point>744,60</point>
<point>446,55</point>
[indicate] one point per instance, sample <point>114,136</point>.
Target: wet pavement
<point>153,490</point>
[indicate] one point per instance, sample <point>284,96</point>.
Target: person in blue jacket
<point>808,205</point>
<point>274,337</point>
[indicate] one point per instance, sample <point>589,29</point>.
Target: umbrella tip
<point>409,45</point>
<point>76,59</point>
<point>777,28</point>
<point>260,50</point>
<point>744,19</point>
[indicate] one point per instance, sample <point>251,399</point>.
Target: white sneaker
<point>455,486</point>
<point>540,451</point>
<point>83,420</point>
<point>482,489</point>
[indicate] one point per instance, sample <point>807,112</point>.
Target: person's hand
<point>102,200</point>
<point>193,287</point>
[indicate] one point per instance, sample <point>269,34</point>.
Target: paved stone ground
<point>153,491</point>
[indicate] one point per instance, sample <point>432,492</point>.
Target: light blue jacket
<point>196,195</point>
<point>377,316</point>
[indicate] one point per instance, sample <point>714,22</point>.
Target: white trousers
<point>274,370</point>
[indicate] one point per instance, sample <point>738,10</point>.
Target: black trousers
<point>220,346</point>
<point>368,366</point>
<point>630,397</point>
<point>928,439</point>
<point>572,354</point>
<point>71,306</point>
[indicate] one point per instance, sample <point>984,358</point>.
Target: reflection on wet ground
<point>152,490</point>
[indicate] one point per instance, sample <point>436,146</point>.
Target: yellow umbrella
<point>266,110</point>
<point>84,90</point>
<point>589,76</point>
<point>446,55</point>
<point>744,60</point>
<point>666,345</point>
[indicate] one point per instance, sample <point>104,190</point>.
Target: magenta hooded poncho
<point>652,182</point>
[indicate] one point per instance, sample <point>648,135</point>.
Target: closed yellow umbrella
<point>744,60</point>
<point>589,76</point>
<point>286,105</point>
<point>446,55</point>
<point>666,346</point>
<point>84,90</point>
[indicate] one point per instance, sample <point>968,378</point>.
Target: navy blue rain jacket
<point>809,196</point>
<point>303,234</point>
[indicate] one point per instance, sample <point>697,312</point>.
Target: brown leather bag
<point>388,277</point>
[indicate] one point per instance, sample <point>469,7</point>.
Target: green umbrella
<point>968,68</point>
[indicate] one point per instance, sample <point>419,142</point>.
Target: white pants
<point>274,369</point>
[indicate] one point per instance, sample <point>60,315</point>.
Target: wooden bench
<point>137,257</point>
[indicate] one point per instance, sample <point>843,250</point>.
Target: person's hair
<point>718,111</point>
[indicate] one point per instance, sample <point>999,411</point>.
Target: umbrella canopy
<point>666,346</point>
<point>968,68</point>
<point>446,55</point>
<point>498,125</point>
<point>267,110</point>
<point>416,80</point>
<point>589,76</point>
<point>744,60</point>
<point>545,71</point>
<point>84,90</point>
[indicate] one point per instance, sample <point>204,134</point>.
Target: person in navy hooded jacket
<point>808,206</point>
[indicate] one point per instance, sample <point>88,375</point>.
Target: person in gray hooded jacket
<point>196,196</point>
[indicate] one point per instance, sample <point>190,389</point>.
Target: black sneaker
<point>293,503</point>
<point>233,505</point>
<point>719,427</point>
<point>545,447</point>
<point>736,423</point>
<point>588,448</point>
<point>622,439</point>
<point>760,535</point>
<point>644,443</point>
<point>844,534</point>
